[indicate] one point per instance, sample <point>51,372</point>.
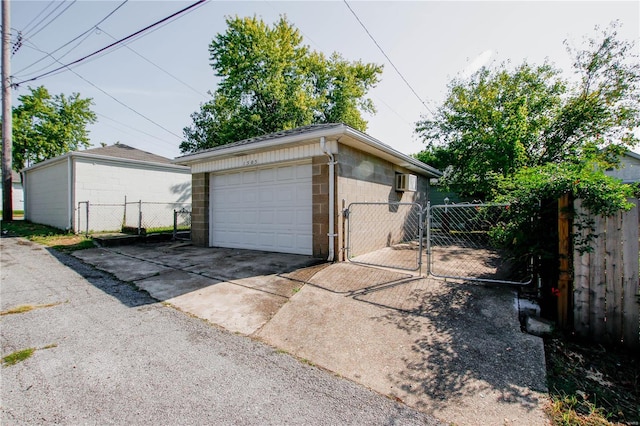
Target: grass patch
<point>592,385</point>
<point>21,355</point>
<point>46,235</point>
<point>26,308</point>
<point>17,356</point>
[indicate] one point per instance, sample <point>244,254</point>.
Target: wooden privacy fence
<point>606,296</point>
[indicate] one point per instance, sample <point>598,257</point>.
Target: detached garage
<point>105,175</point>
<point>285,191</point>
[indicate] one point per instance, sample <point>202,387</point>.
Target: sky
<point>144,90</point>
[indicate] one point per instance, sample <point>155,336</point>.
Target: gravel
<point>107,353</point>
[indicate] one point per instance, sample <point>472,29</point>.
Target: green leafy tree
<point>498,122</point>
<point>45,126</point>
<point>270,81</point>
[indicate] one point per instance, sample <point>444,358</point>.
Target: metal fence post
<point>175,224</point>
<point>87,225</point>
<point>139,216</point>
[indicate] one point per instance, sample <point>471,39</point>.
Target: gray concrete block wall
<point>363,177</point>
<point>200,209</point>
<point>320,199</point>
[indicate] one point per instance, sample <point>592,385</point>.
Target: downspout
<point>69,192</point>
<point>331,234</point>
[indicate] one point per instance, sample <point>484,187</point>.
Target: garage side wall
<point>362,178</point>
<point>320,199</point>
<point>106,182</point>
<point>47,200</point>
<point>200,209</point>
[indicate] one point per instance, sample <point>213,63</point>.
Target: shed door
<point>268,208</point>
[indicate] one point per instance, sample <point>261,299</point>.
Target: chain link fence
<point>140,217</point>
<point>462,244</point>
<point>385,234</point>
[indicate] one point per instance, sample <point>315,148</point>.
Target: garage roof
<point>117,153</point>
<point>338,131</point>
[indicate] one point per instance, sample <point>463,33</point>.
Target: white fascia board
<point>360,141</point>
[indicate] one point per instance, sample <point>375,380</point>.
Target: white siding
<point>47,199</point>
<point>264,158</point>
<point>108,183</point>
<point>629,170</point>
<point>17,196</point>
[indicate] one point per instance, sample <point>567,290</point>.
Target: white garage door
<point>267,209</point>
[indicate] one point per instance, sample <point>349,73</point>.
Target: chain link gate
<point>385,234</point>
<point>460,240</point>
<point>461,244</point>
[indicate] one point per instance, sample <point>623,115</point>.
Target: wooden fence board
<point>631,290</point>
<point>613,259</point>
<point>581,280</point>
<point>598,287</point>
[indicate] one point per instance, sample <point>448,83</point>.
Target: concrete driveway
<point>450,349</point>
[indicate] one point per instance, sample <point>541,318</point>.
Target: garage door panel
<point>263,209</point>
<point>266,175</point>
<point>249,177</point>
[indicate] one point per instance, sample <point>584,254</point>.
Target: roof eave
<point>77,154</point>
<point>375,146</point>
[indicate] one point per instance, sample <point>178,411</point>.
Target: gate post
<point>428,222</point>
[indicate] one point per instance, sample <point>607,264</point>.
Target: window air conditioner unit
<point>406,182</point>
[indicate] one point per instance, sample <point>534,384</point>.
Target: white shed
<point>16,192</point>
<point>55,189</point>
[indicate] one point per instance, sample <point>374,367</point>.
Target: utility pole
<point>7,125</point>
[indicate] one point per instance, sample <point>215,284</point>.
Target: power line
<point>112,44</point>
<point>113,97</point>
<point>38,15</point>
<point>74,39</point>
<point>133,128</point>
<point>386,56</point>
<point>52,20</point>
<point>159,67</point>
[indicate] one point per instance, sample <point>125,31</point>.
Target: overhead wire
<point>387,56</point>
<point>116,99</point>
<point>193,89</point>
<point>116,43</point>
<point>132,128</point>
<point>307,37</point>
<point>72,40</point>
<point>52,19</point>
<point>37,16</point>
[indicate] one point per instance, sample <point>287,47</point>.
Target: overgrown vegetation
<point>592,385</point>
<point>46,235</point>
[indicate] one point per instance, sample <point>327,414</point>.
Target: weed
<point>26,308</point>
<point>18,356</point>
<point>21,355</point>
<point>306,361</point>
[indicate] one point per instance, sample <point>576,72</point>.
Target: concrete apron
<point>450,349</point>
